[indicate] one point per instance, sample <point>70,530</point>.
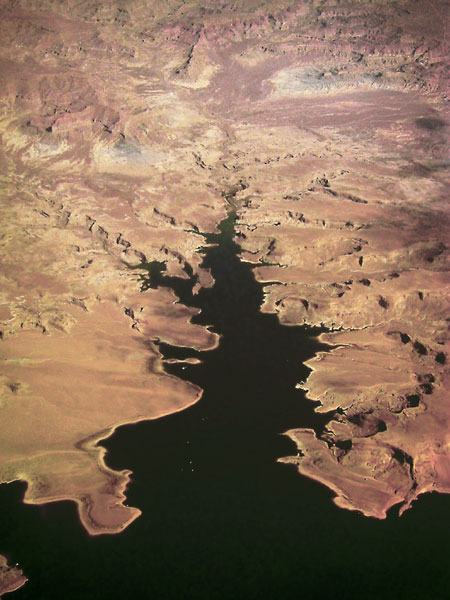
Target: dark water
<point>221,519</point>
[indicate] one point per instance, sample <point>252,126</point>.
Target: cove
<point>221,518</point>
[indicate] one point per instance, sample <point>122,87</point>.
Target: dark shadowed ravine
<point>221,518</point>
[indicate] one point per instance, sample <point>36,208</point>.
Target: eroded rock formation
<point>127,129</point>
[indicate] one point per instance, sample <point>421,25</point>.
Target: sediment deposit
<point>127,129</point>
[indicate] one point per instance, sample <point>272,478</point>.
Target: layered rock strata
<point>127,129</point>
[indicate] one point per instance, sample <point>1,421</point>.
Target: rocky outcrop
<point>127,131</point>
<point>363,249</point>
<point>11,578</point>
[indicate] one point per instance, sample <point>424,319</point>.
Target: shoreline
<point>119,481</point>
<point>11,577</point>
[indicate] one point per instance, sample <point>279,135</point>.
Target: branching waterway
<point>221,518</point>
<point>250,379</point>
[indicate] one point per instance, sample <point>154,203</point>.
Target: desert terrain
<point>127,130</point>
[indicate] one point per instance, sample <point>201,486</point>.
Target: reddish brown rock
<point>128,131</point>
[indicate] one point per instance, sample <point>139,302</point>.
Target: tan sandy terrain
<point>127,128</point>
<point>349,225</point>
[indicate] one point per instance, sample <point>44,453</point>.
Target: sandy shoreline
<point>56,459</point>
<point>125,137</point>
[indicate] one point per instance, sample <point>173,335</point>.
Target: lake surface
<point>221,518</point>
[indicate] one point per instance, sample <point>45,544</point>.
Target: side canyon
<point>128,132</point>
